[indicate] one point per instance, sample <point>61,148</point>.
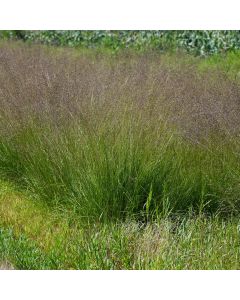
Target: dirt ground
<point>5,265</point>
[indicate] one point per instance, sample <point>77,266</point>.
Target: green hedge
<point>197,42</point>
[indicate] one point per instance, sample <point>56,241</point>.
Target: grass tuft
<point>118,137</point>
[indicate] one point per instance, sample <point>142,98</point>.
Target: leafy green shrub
<point>198,42</point>
<point>209,42</point>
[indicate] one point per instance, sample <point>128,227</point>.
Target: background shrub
<point>197,42</point>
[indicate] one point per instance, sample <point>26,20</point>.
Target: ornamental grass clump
<point>118,136</point>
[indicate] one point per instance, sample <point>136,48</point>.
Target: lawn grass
<point>127,161</point>
<point>56,240</point>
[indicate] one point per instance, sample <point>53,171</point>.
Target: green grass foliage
<point>114,157</point>
<point>124,161</point>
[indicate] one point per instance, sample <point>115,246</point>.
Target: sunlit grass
<point>33,237</point>
<point>117,162</point>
